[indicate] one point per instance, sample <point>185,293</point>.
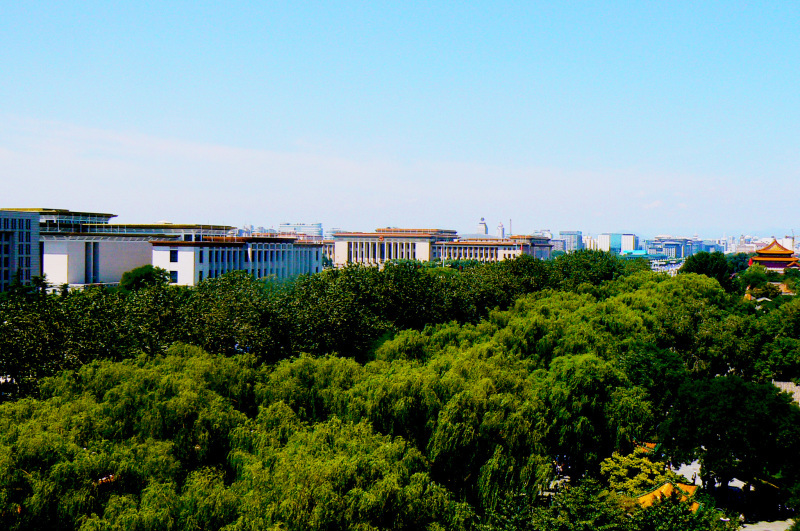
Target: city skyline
<point>677,119</point>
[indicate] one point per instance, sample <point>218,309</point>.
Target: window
<point>173,277</point>
<point>200,259</point>
<point>201,276</point>
<point>173,256</point>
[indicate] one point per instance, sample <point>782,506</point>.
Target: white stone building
<point>263,257</point>
<point>376,248</point>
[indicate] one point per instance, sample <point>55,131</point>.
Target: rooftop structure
<point>666,490</point>
<point>775,257</point>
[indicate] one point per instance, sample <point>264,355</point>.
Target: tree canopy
<point>500,396</point>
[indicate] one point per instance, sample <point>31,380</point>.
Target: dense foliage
<point>502,396</point>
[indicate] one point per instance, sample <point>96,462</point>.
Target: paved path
<point>769,526</point>
<point>693,469</point>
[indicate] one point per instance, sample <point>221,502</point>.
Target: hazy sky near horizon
<point>653,117</point>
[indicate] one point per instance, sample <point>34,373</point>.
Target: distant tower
<point>483,228</point>
<point>501,230</point>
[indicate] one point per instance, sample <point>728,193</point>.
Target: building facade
<point>629,242</point>
<point>20,254</point>
<point>775,257</point>
<point>617,242</point>
<point>84,248</point>
<point>189,263</point>
<point>311,231</point>
<point>677,247</point>
<point>492,250</point>
<point>573,240</point>
<point>377,248</point>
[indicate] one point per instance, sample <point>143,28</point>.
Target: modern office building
<point>311,231</point>
<point>83,248</point>
<point>573,240</point>
<point>616,242</point>
<point>677,247</point>
<point>559,245</point>
<point>190,262</point>
<point>629,242</point>
<point>19,247</point>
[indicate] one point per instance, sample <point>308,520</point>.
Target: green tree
<point>712,265</point>
<point>587,409</point>
<point>146,275</point>
<point>738,262</point>
<point>636,473</point>
<point>737,429</point>
<point>755,277</point>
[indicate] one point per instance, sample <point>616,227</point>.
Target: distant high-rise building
<point>616,242</point>
<point>307,230</point>
<point>483,228</point>
<point>629,242</point>
<point>330,233</point>
<point>669,246</point>
<point>604,242</point>
<point>501,230</point>
<point>573,240</point>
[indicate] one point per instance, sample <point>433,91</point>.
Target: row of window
<point>11,223</point>
<point>476,253</point>
<point>380,251</point>
<point>228,256</point>
<point>23,262</point>
<point>22,249</point>
<point>22,236</point>
<point>25,274</point>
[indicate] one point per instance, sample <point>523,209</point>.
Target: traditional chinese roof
<point>775,257</point>
<point>775,248</point>
<point>665,491</point>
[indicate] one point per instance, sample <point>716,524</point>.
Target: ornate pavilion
<point>775,257</point>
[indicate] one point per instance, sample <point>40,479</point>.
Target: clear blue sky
<point>654,117</point>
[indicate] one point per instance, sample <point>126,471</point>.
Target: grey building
<point>303,230</point>
<point>20,257</point>
<point>573,240</point>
